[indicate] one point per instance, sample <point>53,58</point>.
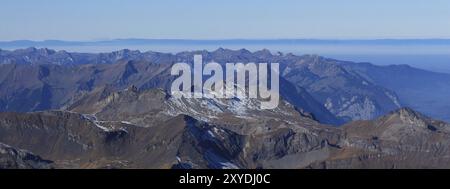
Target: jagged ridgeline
<point>113,110</point>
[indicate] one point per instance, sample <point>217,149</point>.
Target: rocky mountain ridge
<point>321,86</point>
<point>148,129</point>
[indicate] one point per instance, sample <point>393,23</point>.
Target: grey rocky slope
<point>149,129</point>
<point>343,92</point>
<point>422,90</point>
<point>12,158</point>
<point>113,133</point>
<point>148,107</point>
<point>49,86</point>
<point>400,139</point>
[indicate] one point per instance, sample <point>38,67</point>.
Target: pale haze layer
<point>202,19</point>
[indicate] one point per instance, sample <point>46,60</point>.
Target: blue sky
<point>207,19</point>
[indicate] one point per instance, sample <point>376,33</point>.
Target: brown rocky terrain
<point>149,129</point>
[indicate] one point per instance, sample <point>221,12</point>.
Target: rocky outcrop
<point>400,139</point>
<point>12,158</point>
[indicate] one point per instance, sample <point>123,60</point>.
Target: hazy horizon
<point>233,19</point>
<point>230,39</point>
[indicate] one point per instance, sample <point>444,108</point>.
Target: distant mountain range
<point>117,42</point>
<point>100,110</point>
<point>347,90</point>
